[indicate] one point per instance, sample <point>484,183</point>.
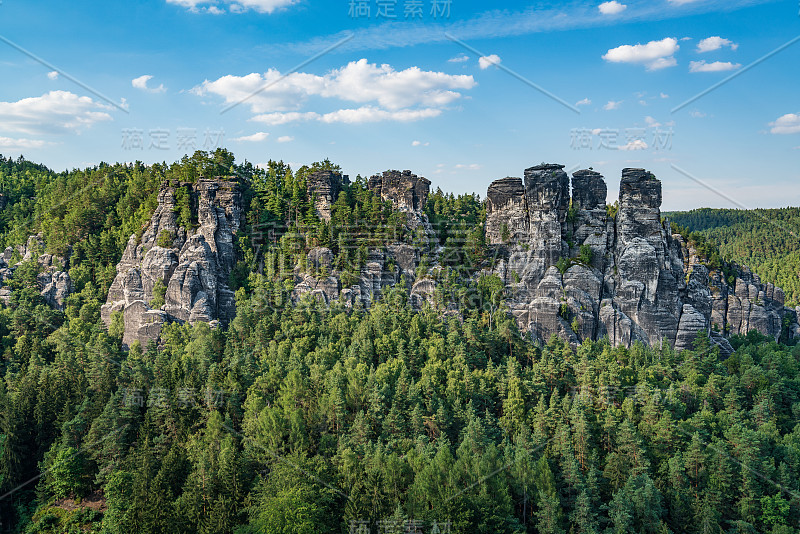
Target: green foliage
<point>612,209</point>
<point>563,264</point>
<point>159,291</point>
<point>505,235</point>
<point>763,239</point>
<point>585,255</point>
<point>572,212</point>
<point>303,418</point>
<point>165,239</point>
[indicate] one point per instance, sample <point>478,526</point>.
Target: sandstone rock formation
<point>383,268</point>
<point>174,273</point>
<point>641,283</point>
<point>571,267</point>
<point>407,192</point>
<point>324,188</point>
<point>54,281</point>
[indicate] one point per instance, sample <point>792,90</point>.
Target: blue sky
<point>152,80</point>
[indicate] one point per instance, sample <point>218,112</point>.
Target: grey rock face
<point>54,283</point>
<point>324,188</point>
<point>642,283</point>
<point>547,198</point>
<point>56,287</point>
<point>383,268</point>
<point>506,211</point>
<point>406,191</point>
<point>191,275</point>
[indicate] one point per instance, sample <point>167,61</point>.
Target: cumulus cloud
<point>664,95</point>
<point>611,8</point>
<point>53,75</point>
<point>468,167</point>
<point>787,124</point>
<point>584,102</point>
<point>54,112</point>
<point>258,136</point>
<point>419,143</point>
<point>385,93</point>
<point>654,55</point>
<point>612,105</point>
<point>360,115</point>
<point>709,44</point>
<point>285,139</point>
<point>459,59</point>
<point>487,61</point>
<point>652,122</point>
<point>358,81</point>
<point>234,6</point>
<point>717,66</point>
<point>9,143</point>
<point>141,83</point>
<point>370,114</point>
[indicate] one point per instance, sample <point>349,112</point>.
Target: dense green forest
<point>313,418</point>
<point>766,240</point>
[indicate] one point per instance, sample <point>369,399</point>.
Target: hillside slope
<point>766,240</point>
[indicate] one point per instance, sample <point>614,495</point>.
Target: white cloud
<point>612,105</point>
<point>664,95</point>
<point>717,66</point>
<point>459,59</point>
<point>234,6</point>
<point>468,167</point>
<point>385,93</point>
<point>358,81</point>
<point>285,139</point>
<point>636,144</point>
<point>53,112</point>
<point>709,44</point>
<point>141,83</point>
<point>611,8</point>
<point>696,114</point>
<point>8,143</point>
<point>419,143</point>
<point>370,114</point>
<point>654,55</point>
<point>53,75</point>
<point>487,61</point>
<point>584,102</point>
<point>360,115</point>
<point>258,136</point>
<point>276,119</point>
<point>652,122</point>
<point>787,124</point>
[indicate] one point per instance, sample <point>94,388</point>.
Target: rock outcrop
<point>506,212</point>
<point>407,192</point>
<point>637,282</point>
<point>384,268</point>
<point>175,273</point>
<point>53,279</point>
<point>572,267</point>
<point>324,188</point>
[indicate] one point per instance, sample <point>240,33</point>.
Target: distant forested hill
<point>768,241</point>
